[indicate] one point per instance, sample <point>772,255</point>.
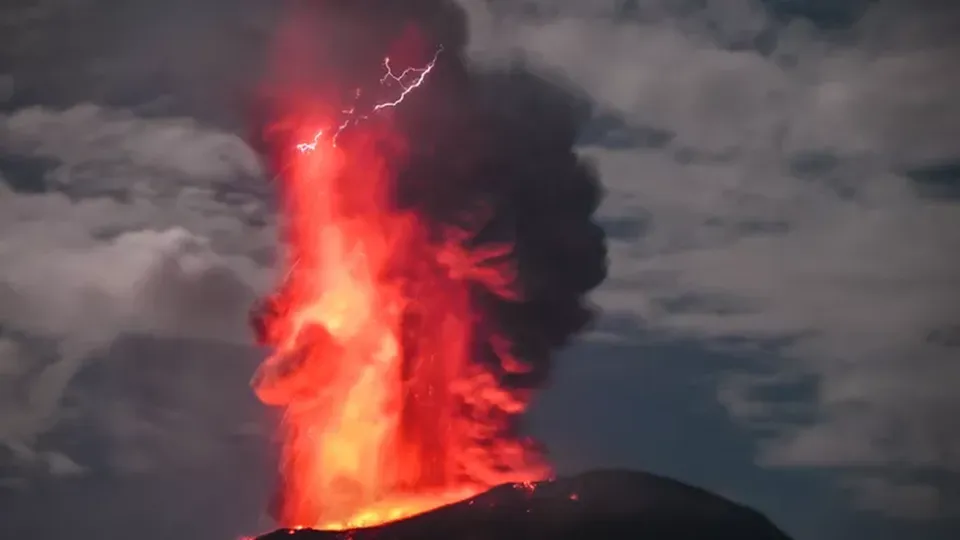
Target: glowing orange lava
<point>387,413</point>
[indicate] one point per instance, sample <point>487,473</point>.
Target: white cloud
<point>136,240</point>
<point>749,235</point>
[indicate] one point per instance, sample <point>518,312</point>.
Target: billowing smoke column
<point>437,252</point>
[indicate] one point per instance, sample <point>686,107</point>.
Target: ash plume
<point>491,151</point>
<point>485,160</point>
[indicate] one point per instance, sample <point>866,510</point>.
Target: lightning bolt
<point>390,76</point>
<point>312,145</point>
<point>419,75</point>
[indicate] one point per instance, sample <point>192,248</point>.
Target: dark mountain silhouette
<point>592,506</point>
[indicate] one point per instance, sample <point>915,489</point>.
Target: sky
<point>779,325</point>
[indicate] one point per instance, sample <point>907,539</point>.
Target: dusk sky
<point>780,324</point>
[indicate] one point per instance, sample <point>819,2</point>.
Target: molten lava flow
<point>374,332</point>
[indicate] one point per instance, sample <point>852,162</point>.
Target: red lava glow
<point>386,412</point>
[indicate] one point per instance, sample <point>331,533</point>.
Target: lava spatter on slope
<point>608,504</point>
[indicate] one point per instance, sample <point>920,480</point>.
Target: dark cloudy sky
<point>780,325</point>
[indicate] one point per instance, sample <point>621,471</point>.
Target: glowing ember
<point>387,412</point>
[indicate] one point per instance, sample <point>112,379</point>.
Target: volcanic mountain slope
<point>609,504</point>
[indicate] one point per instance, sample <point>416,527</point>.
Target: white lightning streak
<point>388,78</point>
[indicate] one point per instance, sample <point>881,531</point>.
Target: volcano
<point>437,247</point>
<point>599,504</point>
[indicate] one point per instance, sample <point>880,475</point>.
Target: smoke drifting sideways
<point>486,150</point>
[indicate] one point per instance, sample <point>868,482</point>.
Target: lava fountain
<point>420,303</point>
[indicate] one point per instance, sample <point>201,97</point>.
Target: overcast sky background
<point>781,321</point>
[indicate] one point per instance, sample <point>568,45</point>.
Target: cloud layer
<point>770,202</point>
<point>127,232</point>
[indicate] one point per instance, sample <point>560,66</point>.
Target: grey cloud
<point>197,59</point>
<point>813,90</point>
<point>171,442</point>
<point>134,235</point>
<point>905,498</point>
<point>840,258</point>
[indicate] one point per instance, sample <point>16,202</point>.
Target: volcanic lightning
<point>421,75</point>
<point>388,77</point>
<point>433,260</point>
